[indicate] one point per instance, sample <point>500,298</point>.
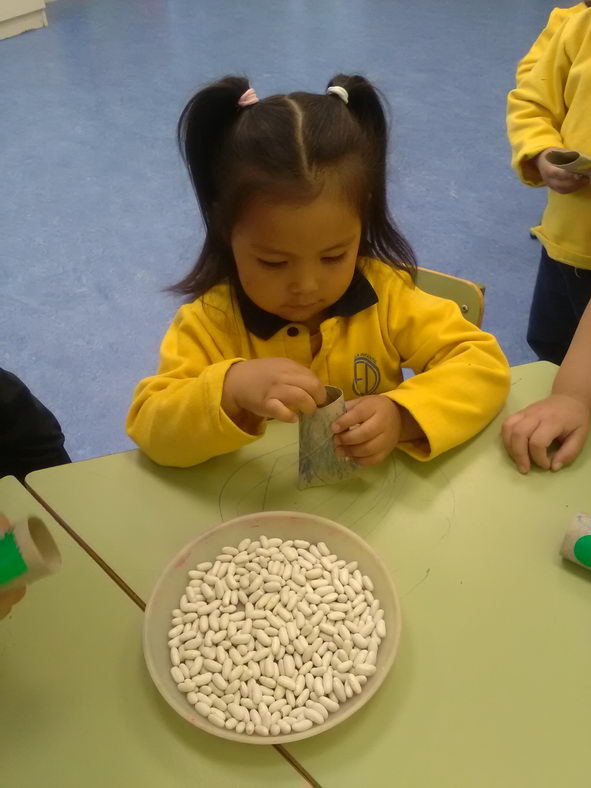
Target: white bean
<point>317,707</point>
<point>218,703</point>
<point>315,716</point>
<point>329,704</point>
<point>287,682</point>
<point>364,669</point>
<point>177,674</point>
<point>301,725</point>
<point>202,679</point>
<point>339,689</point>
<point>220,721</point>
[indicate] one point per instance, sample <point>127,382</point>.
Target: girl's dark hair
<point>284,147</point>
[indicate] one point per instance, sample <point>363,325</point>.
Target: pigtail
<point>366,107</point>
<point>202,130</point>
<point>382,238</point>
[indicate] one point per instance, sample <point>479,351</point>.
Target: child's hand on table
<point>371,428</point>
<point>528,434</point>
<point>272,388</point>
<point>557,179</point>
<point>8,599</point>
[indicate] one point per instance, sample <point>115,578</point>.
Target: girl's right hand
<point>271,388</point>
<point>557,179</point>
<point>528,434</point>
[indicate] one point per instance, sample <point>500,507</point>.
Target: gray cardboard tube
<point>319,465</point>
<point>570,160</point>
<point>27,553</point>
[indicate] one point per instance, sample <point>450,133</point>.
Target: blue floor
<point>96,214</point>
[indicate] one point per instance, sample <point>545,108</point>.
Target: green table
<point>76,705</point>
<point>492,678</point>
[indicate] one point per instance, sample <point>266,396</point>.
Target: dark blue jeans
<point>560,296</point>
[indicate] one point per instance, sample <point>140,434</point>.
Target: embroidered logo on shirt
<point>366,375</point>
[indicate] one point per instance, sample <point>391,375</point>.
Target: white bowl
<point>286,525</point>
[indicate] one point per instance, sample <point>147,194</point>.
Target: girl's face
<point>296,260</point>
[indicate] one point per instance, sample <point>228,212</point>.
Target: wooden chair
<point>467,295</point>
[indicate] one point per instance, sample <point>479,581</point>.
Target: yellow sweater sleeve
<point>555,20</point>
<point>176,416</point>
<point>461,375</point>
<point>536,107</point>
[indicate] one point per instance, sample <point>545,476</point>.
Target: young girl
<point>304,280</point>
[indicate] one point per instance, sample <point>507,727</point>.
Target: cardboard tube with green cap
<point>27,553</point>
<point>576,545</point>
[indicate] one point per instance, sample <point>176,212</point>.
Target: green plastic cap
<point>12,563</point>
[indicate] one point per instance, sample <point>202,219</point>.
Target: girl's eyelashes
<point>278,263</point>
<point>271,263</point>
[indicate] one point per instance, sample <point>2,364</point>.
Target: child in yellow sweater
<point>549,110</point>
<point>304,280</point>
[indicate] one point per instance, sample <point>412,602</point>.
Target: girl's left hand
<point>376,423</point>
<point>8,599</point>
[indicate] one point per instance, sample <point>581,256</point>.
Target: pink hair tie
<point>247,98</point>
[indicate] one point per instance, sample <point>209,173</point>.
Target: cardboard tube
<point>570,160</point>
<point>319,465</point>
<point>576,545</point>
<point>27,553</point>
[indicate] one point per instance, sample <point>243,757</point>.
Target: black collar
<point>358,296</point>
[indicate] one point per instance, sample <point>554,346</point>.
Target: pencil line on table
<point>296,765</point>
<point>88,549</point>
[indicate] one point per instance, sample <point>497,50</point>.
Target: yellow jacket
<point>176,416</point>
<point>555,20</point>
<point>550,108</point>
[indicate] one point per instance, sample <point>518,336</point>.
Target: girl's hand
<point>528,433</point>
<point>371,428</point>
<point>270,388</point>
<point>561,181</point>
<point>8,599</point>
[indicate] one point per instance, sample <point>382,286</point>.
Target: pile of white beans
<point>272,636</point>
